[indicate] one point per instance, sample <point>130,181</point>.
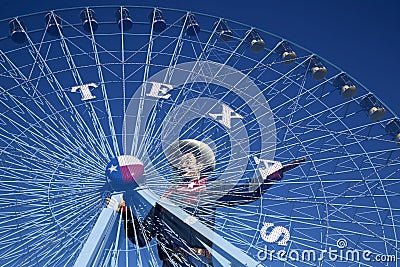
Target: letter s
<point>274,235</point>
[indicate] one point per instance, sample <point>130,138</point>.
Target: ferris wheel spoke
<point>139,256</point>
<point>20,112</point>
<point>237,82</point>
<point>54,148</point>
<point>188,79</point>
<point>294,107</point>
<point>148,245</point>
<point>39,248</point>
<point>370,232</point>
<point>15,161</point>
<point>19,203</point>
<point>62,96</point>
<point>286,78</point>
<point>72,42</point>
<point>79,81</point>
<point>202,56</point>
<point>122,35</point>
<point>44,143</point>
<point>380,219</point>
<point>104,92</point>
<point>159,53</point>
<point>36,234</point>
<point>200,59</point>
<point>173,61</point>
<point>143,89</point>
<point>175,55</point>
<point>45,159</point>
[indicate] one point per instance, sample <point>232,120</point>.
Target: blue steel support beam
<point>99,238</point>
<point>235,256</point>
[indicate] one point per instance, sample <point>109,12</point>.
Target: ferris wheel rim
<point>311,54</point>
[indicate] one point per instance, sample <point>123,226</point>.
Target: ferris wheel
<point>103,102</point>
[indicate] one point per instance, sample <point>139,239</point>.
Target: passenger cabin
<point>157,19</point>
<point>286,53</point>
<point>346,87</point>
<point>123,19</point>
<point>88,18</point>
<point>257,44</point>
<point>17,31</point>
<point>374,108</point>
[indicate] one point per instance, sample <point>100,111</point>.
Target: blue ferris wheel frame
<point>103,154</point>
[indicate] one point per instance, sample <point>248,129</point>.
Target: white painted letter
<point>160,90</point>
<point>226,116</point>
<point>271,166</point>
<point>85,91</point>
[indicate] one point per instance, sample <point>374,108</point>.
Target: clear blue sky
<point>361,37</point>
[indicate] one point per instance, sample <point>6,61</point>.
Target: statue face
<point>188,166</point>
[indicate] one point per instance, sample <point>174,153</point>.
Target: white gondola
<point>393,129</point>
<point>285,51</point>
<point>17,31</point>
<point>257,44</point>
<point>225,34</point>
<point>156,17</point>
<point>347,88</point>
<point>374,108</point>
<point>123,18</point>
<point>53,23</point>
<point>88,18</point>
<point>191,25</point>
<point>318,70</point>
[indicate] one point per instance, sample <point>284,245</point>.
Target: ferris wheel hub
<point>125,170</point>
